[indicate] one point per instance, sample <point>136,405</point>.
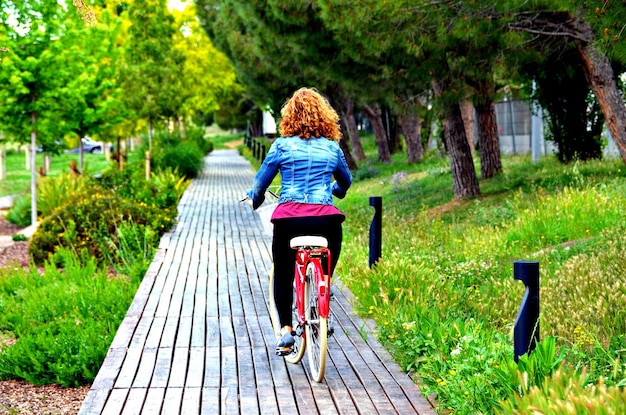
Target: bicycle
<point>312,296</point>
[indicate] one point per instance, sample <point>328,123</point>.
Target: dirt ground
<point>19,397</point>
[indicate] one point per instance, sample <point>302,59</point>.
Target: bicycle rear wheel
<point>317,326</point>
<point>300,345</point>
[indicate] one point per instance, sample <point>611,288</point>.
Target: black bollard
<point>376,230</point>
<point>257,146</point>
<point>262,152</point>
<point>526,330</point>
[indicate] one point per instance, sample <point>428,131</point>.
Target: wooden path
<point>197,338</point>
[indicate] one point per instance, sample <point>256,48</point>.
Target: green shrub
<point>186,158</point>
<point>163,190</point>
<point>20,212</point>
<point>63,321</point>
<point>132,249</point>
<point>54,192</point>
<point>197,136</point>
<point>90,220</point>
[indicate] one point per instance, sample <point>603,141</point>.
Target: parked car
<point>90,146</point>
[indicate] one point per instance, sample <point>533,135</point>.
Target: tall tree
<point>278,46</point>
<point>408,39</point>
<point>596,30</point>
<point>151,70</point>
<point>30,74</point>
<point>207,72</point>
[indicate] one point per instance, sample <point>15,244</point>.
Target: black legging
<point>285,257</point>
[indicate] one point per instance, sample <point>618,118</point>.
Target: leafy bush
<point>197,136</point>
<point>54,192</point>
<point>186,158</point>
<point>132,249</point>
<point>163,190</point>
<point>63,320</point>
<point>90,220</point>
<point>20,212</point>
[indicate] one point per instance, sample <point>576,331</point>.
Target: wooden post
<point>147,165</point>
<point>47,162</point>
<point>107,151</point>
<point>120,156</point>
<point>74,168</point>
<point>3,162</point>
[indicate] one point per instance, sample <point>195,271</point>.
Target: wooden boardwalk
<point>197,338</point>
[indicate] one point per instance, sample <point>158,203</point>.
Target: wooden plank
<point>212,375</point>
<point>198,329</point>
<point>179,368</point>
<point>116,401</point>
<point>156,331</point>
<point>210,404</point>
<point>247,383</point>
<point>183,334</point>
<point>168,337</point>
<point>141,332</point>
<point>154,401</point>
<point>125,332</point>
<point>129,368</point>
<point>162,367</point>
<point>264,381</point>
<point>191,401</point>
<point>145,369</point>
<point>195,372</point>
<point>94,402</point>
<point>338,389</point>
<point>229,400</point>
<point>110,369</point>
<point>268,404</point>
<point>172,401</point>
<point>212,332</point>
<point>134,401</point>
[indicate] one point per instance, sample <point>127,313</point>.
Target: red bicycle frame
<point>322,282</point>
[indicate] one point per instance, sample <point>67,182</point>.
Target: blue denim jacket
<point>306,168</point>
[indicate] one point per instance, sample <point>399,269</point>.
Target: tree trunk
<point>601,79</point>
<point>411,128</point>
<point>461,162</point>
<point>392,129</point>
<point>346,110</point>
<point>488,142</point>
<point>467,111</point>
<point>374,112</point>
<point>33,167</point>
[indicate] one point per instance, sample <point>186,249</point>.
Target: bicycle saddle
<point>312,241</point>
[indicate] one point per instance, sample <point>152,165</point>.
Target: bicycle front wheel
<point>317,326</point>
<point>300,345</point>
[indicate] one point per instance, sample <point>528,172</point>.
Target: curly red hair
<point>308,114</point>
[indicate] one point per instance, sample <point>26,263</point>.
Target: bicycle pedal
<point>284,351</point>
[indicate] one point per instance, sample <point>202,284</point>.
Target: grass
<point>443,294</point>
<point>18,177</point>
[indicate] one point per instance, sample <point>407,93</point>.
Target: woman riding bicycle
<point>308,155</point>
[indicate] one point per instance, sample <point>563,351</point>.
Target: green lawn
<point>18,177</point>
